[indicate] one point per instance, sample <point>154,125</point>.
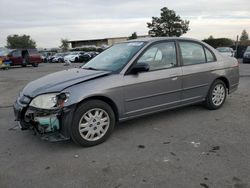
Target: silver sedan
<point>127,80</point>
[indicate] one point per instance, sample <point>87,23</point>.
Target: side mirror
<point>140,67</point>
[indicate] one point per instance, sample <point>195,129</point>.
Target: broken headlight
<point>49,101</point>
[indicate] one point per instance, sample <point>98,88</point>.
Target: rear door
<point>198,62</point>
<point>157,89</point>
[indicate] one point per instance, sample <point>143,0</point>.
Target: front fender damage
<point>51,125</point>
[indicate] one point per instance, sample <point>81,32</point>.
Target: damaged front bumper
<point>52,125</point>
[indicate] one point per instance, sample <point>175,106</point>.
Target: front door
<point>157,89</point>
<point>16,57</point>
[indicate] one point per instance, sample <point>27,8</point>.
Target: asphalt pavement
<point>184,148</point>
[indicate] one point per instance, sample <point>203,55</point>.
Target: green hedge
<point>219,42</point>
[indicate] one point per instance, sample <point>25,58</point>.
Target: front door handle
<point>174,76</point>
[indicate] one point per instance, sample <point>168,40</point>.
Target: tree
<point>244,35</point>
<point>168,24</point>
<point>210,37</point>
<point>22,41</point>
<point>133,36</point>
<point>219,42</point>
<point>64,44</point>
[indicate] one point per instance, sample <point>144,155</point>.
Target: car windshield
<point>223,49</point>
<point>248,49</point>
<point>114,58</point>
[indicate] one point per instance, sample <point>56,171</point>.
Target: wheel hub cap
<point>94,124</point>
<point>218,95</point>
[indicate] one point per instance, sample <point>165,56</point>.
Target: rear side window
<point>192,53</point>
<point>209,55</point>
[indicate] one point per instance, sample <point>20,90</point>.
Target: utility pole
<point>236,46</point>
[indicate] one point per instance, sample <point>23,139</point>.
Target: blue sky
<point>47,21</point>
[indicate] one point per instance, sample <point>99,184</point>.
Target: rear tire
<point>93,123</point>
<point>217,95</point>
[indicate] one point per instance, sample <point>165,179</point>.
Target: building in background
<point>99,42</point>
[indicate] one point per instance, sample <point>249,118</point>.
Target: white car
<point>73,57</point>
<point>226,51</point>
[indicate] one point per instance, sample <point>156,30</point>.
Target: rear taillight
<point>238,63</point>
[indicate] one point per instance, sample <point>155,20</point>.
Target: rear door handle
<point>174,78</point>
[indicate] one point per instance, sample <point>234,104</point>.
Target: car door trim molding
<point>197,86</point>
<point>151,107</point>
<point>164,93</point>
<point>165,104</point>
<point>153,95</point>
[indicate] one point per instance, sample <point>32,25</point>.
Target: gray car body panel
<point>148,92</point>
<point>56,82</point>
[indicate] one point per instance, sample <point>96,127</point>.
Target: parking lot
<point>187,147</point>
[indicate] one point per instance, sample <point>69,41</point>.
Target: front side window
<point>192,53</point>
<point>160,56</point>
<point>16,53</point>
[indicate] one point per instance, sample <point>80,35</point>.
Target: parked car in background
<point>246,55</point>
<point>127,80</point>
<point>47,56</point>
<point>89,55</point>
<point>4,52</point>
<point>23,57</point>
<point>75,56</point>
<point>4,63</point>
<point>226,51</point>
<point>59,57</point>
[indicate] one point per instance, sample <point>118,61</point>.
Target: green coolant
<point>48,123</point>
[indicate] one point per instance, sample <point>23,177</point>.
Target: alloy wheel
<point>94,124</point>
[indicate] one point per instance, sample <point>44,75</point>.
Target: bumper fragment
<point>49,124</point>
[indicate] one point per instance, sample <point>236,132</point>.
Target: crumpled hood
<point>58,81</point>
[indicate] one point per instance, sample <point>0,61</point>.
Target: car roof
<point>155,39</point>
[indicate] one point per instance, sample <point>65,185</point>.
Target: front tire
<point>93,123</point>
<point>216,96</point>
